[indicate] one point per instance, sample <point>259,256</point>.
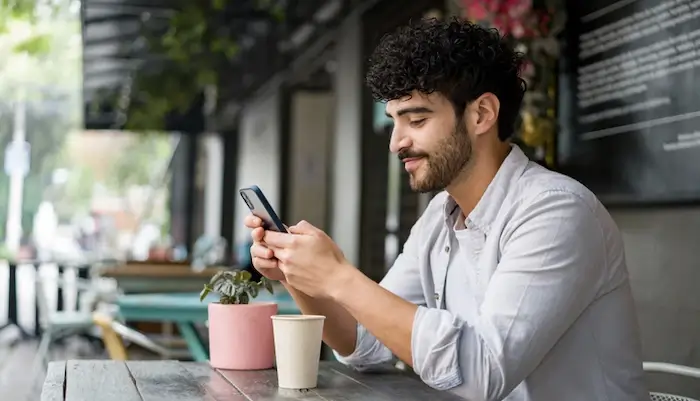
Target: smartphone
<point>260,207</point>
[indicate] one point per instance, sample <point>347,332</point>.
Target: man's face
<point>431,141</point>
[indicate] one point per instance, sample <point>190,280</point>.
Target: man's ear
<point>485,111</point>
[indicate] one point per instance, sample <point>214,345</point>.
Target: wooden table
<point>185,310</point>
<point>145,277</point>
<point>189,381</point>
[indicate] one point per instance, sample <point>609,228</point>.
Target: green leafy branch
<point>235,287</point>
<point>197,47</point>
<point>39,43</point>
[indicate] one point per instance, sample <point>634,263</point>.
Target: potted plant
<point>240,333</point>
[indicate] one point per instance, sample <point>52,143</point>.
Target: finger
<point>264,264</point>
<point>252,221</point>
<point>282,255</point>
<point>260,251</point>
<point>284,268</point>
<point>258,234</point>
<point>278,240</point>
<point>303,227</point>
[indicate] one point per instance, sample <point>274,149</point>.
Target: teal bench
<point>185,310</point>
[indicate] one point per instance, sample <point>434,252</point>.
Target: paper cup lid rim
<point>297,317</point>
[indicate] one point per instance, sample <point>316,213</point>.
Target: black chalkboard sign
<point>630,99</point>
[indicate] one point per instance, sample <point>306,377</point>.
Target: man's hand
<point>310,260</point>
<point>264,260</point>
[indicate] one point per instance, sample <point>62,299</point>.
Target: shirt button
<point>437,296</point>
<point>447,249</point>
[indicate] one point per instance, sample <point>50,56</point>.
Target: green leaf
<point>218,4</point>
<point>268,285</point>
<point>217,277</point>
<point>36,45</point>
<point>236,276</point>
<point>207,77</point>
<point>205,291</point>
<point>253,291</point>
<point>246,275</point>
<point>231,50</point>
<point>277,13</point>
<point>243,299</point>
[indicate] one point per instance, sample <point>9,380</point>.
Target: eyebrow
<point>411,110</point>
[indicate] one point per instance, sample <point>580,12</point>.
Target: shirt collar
<point>487,209</point>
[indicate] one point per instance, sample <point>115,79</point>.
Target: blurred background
<point>127,127</point>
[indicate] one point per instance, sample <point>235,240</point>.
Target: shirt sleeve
<point>402,279</point>
<point>552,262</point>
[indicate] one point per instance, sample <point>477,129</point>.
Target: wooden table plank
<point>159,277</point>
<point>338,387</point>
<point>159,271</point>
<point>213,382</point>
<point>52,390</point>
<point>397,385</point>
<point>261,385</point>
<point>176,381</point>
<point>110,380</point>
<point>166,381</point>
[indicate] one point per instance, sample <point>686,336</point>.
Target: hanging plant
<point>197,46</point>
<point>533,27</point>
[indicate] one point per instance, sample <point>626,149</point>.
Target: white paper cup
<point>297,349</point>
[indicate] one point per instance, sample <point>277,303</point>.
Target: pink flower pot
<point>240,336</point>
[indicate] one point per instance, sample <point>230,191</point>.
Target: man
<point>513,284</point>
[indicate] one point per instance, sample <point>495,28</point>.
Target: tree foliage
<point>149,151</point>
<point>40,53</point>
<point>33,12</point>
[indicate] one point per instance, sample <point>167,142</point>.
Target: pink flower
<point>517,30</point>
<point>476,11</point>
<point>493,5</point>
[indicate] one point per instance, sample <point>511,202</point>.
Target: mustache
<point>410,154</point>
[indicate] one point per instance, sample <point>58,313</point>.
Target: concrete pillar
<point>347,141</point>
<point>213,151</point>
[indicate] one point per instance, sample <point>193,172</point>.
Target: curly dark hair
<point>458,59</point>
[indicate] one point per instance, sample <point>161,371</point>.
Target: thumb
<point>303,227</point>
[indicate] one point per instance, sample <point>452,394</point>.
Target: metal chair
<point>661,367</point>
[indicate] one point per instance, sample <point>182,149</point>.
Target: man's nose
<point>398,141</point>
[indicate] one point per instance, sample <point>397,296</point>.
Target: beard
<point>443,165</point>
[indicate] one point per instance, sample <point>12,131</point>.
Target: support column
<point>229,188</point>
<point>346,189</point>
<point>191,185</point>
<point>182,192</point>
<point>19,150</point>
<point>213,153</point>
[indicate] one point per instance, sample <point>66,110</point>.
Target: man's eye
<point>417,123</point>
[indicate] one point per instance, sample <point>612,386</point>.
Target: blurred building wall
<point>662,248</point>
<point>312,126</point>
<point>347,142</point>
<point>259,156</point>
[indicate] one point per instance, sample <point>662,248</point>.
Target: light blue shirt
<point>525,299</point>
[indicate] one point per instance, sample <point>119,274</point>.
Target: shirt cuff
<point>368,352</point>
<point>434,345</point>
